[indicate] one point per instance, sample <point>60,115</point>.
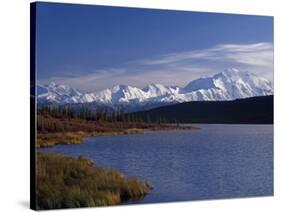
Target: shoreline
<point>90,185</point>
<point>47,140</point>
<point>118,188</point>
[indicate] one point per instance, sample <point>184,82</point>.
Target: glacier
<point>229,84</point>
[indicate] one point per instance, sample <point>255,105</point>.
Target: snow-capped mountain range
<point>227,85</point>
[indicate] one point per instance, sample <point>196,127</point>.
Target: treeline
<point>87,113</point>
<point>65,119</point>
<point>92,114</point>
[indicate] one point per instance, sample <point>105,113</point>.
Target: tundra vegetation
<point>69,182</point>
<point>62,125</point>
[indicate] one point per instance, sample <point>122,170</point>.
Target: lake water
<point>217,161</point>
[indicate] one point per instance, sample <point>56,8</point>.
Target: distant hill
<point>254,110</point>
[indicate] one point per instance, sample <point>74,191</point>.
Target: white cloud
<point>251,54</point>
<point>179,68</point>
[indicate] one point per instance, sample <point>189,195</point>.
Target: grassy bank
<point>51,139</point>
<point>68,182</point>
<point>54,130</point>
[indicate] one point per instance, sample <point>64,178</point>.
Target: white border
<point>14,95</point>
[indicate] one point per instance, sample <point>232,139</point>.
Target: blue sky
<point>95,47</point>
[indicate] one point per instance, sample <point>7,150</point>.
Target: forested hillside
<point>254,110</point>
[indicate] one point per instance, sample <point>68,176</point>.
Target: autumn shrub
<point>70,182</point>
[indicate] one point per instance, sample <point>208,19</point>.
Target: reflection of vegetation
<point>67,182</point>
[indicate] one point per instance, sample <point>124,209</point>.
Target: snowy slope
<point>227,85</point>
<point>58,94</point>
<point>119,94</point>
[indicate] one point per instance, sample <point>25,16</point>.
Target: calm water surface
<point>217,161</point>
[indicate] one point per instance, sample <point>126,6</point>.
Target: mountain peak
<point>155,89</point>
<point>231,71</point>
<point>120,87</point>
<point>227,85</point>
<point>233,74</point>
<point>51,84</point>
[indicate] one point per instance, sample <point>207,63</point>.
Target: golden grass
<point>51,139</point>
<point>68,182</point>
